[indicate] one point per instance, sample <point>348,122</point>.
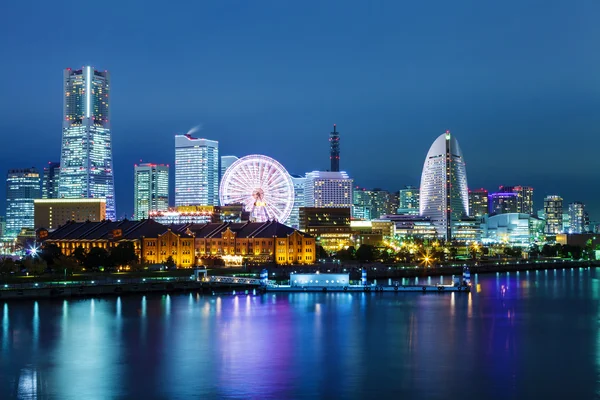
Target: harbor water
<point>515,336</point>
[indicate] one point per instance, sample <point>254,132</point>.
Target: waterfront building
<point>553,210</point>
<point>324,189</point>
<point>467,230</point>
<point>22,187</point>
<point>50,181</point>
<point>502,203</point>
<point>226,162</point>
<point>478,203</point>
<point>52,213</point>
<point>330,226</point>
<point>201,214</point>
<point>86,167</point>
<point>196,171</point>
<point>153,243</point>
<point>294,218</point>
<point>444,196</point>
<point>412,226</point>
<point>363,232</point>
<point>515,229</point>
<point>255,242</point>
<point>577,217</point>
<point>524,197</point>
<point>408,200</point>
<point>150,188</point>
<point>578,239</point>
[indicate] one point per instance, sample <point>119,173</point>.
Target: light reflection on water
<point>522,335</point>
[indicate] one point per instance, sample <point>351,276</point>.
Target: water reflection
<point>312,345</point>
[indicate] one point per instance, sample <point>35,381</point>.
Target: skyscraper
<point>151,189</point>
<point>22,187</point>
<point>334,149</point>
<point>50,181</point>
<point>226,162</point>
<point>196,171</point>
<point>503,203</point>
<point>524,197</point>
<point>294,218</point>
<point>444,196</point>
<point>86,169</point>
<point>577,217</point>
<point>408,200</point>
<point>553,209</point>
<point>362,206</point>
<point>328,189</point>
<point>478,202</point>
<point>383,202</point>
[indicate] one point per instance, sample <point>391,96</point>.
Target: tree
<point>453,253</point>
<point>346,254</point>
<point>34,265</point>
<point>68,265</point>
<point>8,266</point>
<point>321,253</point>
<point>79,255</point>
<point>50,253</point>
<point>97,257</point>
<point>365,253</point>
<point>123,254</point>
<point>169,263</point>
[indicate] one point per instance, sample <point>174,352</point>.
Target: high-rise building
<point>408,201</point>
<point>334,149</point>
<point>362,206</point>
<point>577,217</point>
<point>383,202</point>
<point>226,162</point>
<point>478,203</point>
<point>50,181</point>
<point>524,197</point>
<point>503,203</point>
<point>328,189</point>
<point>294,218</point>
<point>52,213</point>
<point>553,210</point>
<point>196,171</point>
<point>86,168</point>
<point>151,189</point>
<point>444,196</point>
<point>22,187</point>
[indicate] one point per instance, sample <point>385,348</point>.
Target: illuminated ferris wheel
<point>262,185</point>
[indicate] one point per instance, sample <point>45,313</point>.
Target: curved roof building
<point>444,196</point>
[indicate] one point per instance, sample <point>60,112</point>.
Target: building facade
<point>330,226</point>
<point>22,188</point>
<point>515,229</point>
<point>503,203</point>
<point>408,201</point>
<point>478,203</point>
<point>444,197</point>
<point>196,171</point>
<point>201,214</point>
<point>151,189</point>
<point>86,167</point>
<point>577,217</point>
<point>294,218</point>
<point>226,162</point>
<point>53,213</point>
<point>50,181</point>
<point>328,189</point>
<point>553,210</point>
<point>524,197</point>
<point>153,243</point>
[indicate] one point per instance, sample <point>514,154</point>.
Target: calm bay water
<point>526,335</point>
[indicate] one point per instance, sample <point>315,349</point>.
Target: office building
<point>328,189</point>
<point>226,162</point>
<point>151,189</point>
<point>408,201</point>
<point>412,226</point>
<point>50,181</point>
<point>196,171</point>
<point>294,218</point>
<point>444,196</point>
<point>515,229</point>
<point>553,210</point>
<point>86,167</point>
<point>362,207</point>
<point>22,188</point>
<point>502,203</point>
<point>330,226</point>
<point>577,217</point>
<point>524,197</point>
<point>201,214</point>
<point>382,202</point>
<point>52,213</point>
<point>478,203</point>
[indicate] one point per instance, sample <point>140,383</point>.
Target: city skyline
<point>404,94</point>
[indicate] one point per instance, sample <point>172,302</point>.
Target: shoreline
<point>168,284</point>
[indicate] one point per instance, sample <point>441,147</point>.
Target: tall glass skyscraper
<point>151,189</point>
<point>196,171</point>
<point>50,181</point>
<point>553,209</point>
<point>86,169</point>
<point>294,218</point>
<point>444,196</point>
<point>22,187</point>
<point>408,200</point>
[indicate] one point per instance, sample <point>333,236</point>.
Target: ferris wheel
<point>262,185</point>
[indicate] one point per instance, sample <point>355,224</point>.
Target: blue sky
<point>517,83</point>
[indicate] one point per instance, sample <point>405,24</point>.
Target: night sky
<point>517,82</point>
